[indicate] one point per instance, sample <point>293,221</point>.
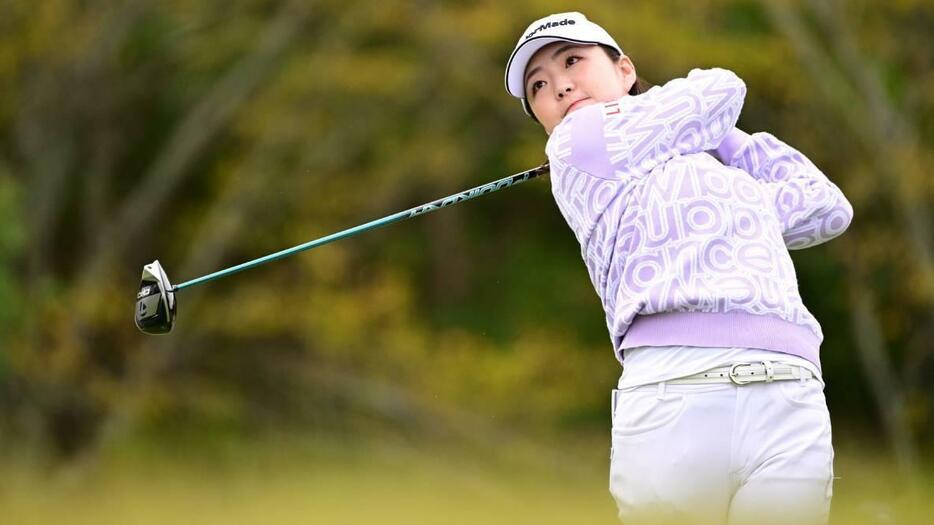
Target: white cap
<point>567,27</point>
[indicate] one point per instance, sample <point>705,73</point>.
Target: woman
<point>685,223</point>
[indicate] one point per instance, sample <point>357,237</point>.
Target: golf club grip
<point>443,202</point>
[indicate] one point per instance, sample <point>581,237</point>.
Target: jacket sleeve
<point>635,134</point>
<point>810,208</point>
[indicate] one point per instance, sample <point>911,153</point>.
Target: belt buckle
<point>769,372</point>
<point>735,378</point>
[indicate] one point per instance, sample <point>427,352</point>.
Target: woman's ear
<point>628,70</point>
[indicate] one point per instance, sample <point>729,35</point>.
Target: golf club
<point>155,301</point>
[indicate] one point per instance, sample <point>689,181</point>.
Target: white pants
<point>720,453</point>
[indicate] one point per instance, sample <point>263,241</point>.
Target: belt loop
<point>661,390</point>
<point>769,371</point>
<point>801,376</point>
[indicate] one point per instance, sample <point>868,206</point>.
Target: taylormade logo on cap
<point>567,27</point>
<point>547,25</point>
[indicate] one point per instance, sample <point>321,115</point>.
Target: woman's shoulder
<point>581,139</point>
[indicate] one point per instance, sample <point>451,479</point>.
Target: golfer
<point>685,223</point>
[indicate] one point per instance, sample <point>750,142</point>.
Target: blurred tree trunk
<point>140,210</point>
<point>50,134</point>
<point>855,92</point>
<point>881,375</point>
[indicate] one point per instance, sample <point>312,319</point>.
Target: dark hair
<point>638,87</point>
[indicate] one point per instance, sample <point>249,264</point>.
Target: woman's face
<point>563,77</point>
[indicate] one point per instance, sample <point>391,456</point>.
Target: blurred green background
<point>455,366</point>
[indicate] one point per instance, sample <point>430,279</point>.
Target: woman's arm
<point>811,209</point>
<point>635,134</point>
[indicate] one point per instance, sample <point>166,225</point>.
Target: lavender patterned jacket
<point>681,248</point>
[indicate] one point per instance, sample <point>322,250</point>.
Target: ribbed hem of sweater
<point>730,329</point>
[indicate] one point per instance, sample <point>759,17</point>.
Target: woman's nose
<point>562,92</point>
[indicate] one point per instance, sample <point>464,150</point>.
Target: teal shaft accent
<point>412,212</point>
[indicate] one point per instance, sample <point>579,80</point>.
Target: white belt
<point>745,373</point>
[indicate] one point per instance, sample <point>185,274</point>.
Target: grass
<point>303,481</point>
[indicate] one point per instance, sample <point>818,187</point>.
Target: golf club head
<point>155,301</point>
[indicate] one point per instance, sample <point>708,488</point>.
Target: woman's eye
<point>538,84</point>
<point>571,60</point>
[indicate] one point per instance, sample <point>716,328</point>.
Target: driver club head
<point>155,301</point>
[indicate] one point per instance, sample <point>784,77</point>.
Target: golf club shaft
<point>412,212</point>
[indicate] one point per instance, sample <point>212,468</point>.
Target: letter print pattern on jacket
<point>665,227</point>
